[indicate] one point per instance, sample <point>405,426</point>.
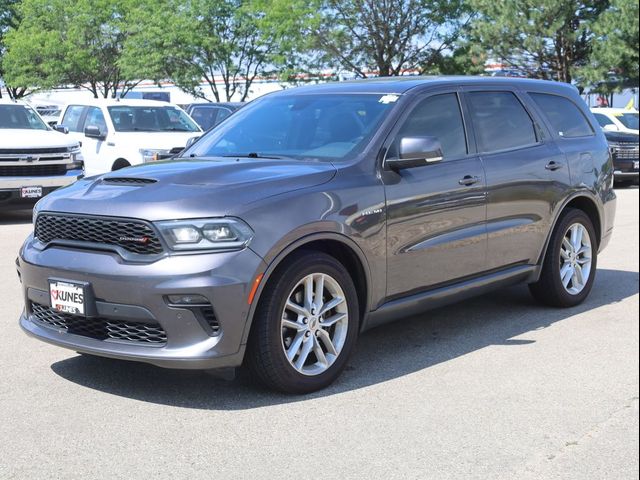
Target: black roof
<point>400,85</point>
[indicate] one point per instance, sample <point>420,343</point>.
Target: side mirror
<point>92,131</point>
<point>61,129</point>
<point>191,141</point>
<point>611,127</point>
<point>416,152</point>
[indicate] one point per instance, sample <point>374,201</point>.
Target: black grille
<point>100,328</point>
<point>133,236</point>
<point>210,317</point>
<point>32,170</point>
<point>626,151</point>
<point>36,151</point>
<point>128,180</point>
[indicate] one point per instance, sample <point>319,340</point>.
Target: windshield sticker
<point>388,98</point>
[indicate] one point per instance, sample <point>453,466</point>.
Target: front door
<point>435,213</point>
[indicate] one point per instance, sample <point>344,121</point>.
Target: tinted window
<point>315,126</point>
<point>603,120</point>
<point>565,117</point>
<point>95,118</point>
<point>500,121</point>
<point>151,119</point>
<point>629,120</point>
<point>207,117</point>
<point>20,117</point>
<point>438,116</point>
<point>71,118</point>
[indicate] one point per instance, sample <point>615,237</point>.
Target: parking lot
<point>495,387</point>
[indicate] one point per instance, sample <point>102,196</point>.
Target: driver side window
<point>438,116</point>
<point>95,118</point>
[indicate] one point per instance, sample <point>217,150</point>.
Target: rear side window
<point>565,117</point>
<point>438,116</point>
<point>72,116</point>
<point>500,121</point>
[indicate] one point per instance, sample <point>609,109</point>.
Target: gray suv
<point>316,213</point>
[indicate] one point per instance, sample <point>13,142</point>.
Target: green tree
<point>70,43</point>
<point>221,44</point>
<point>387,37</point>
<point>8,19</point>
<point>614,60</point>
<point>548,39</point>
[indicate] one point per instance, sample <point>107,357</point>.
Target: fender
<point>583,193</point>
<point>290,248</point>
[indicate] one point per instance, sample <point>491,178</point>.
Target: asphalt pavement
<point>494,387</point>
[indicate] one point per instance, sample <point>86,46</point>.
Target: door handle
<point>469,180</point>
<point>553,166</point>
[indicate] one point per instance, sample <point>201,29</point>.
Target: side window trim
<point>538,131</point>
<point>470,147</point>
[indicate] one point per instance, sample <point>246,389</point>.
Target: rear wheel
<point>570,264</point>
<point>306,324</point>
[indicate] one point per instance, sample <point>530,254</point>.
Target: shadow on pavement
<point>16,217</point>
<point>387,352</point>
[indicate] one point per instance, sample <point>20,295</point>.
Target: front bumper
<point>134,293</point>
<point>10,187</point>
<point>626,169</point>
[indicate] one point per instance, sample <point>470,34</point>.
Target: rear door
<point>435,213</point>
<point>526,175</point>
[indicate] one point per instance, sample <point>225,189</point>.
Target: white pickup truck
<point>119,133</point>
<point>34,159</point>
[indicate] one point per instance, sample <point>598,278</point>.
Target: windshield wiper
<point>252,155</point>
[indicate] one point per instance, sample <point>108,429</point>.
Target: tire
<point>550,288</point>
<point>120,164</point>
<point>273,337</point>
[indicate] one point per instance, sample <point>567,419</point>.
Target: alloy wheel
<point>314,324</point>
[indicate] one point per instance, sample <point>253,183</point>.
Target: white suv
<point>617,119</point>
<point>34,159</point>
<point>119,133</point>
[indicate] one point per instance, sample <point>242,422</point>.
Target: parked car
<point>50,113</point>
<point>119,133</point>
<point>617,119</point>
<point>315,213</point>
<point>34,160</point>
<point>624,150</point>
<point>208,115</point>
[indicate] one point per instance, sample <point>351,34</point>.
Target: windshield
<point>151,119</point>
<point>629,120</point>
<point>20,117</point>
<point>320,126</point>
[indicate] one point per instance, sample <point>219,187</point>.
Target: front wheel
<point>306,324</point>
<point>570,264</point>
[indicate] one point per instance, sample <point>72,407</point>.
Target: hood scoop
<point>135,181</point>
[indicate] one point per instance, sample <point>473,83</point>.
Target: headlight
<point>77,160</point>
<point>152,154</point>
<point>205,233</point>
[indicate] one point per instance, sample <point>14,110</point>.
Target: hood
<point>30,138</point>
<point>154,140</point>
<point>621,136</point>
<point>181,189</point>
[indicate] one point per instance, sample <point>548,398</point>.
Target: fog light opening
<point>187,300</point>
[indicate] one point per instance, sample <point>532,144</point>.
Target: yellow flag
<point>629,105</point>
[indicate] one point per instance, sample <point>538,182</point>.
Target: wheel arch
<point>120,163</point>
<point>580,201</point>
<point>338,246</point>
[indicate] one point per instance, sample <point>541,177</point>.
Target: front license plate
<point>31,192</point>
<point>67,297</point>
